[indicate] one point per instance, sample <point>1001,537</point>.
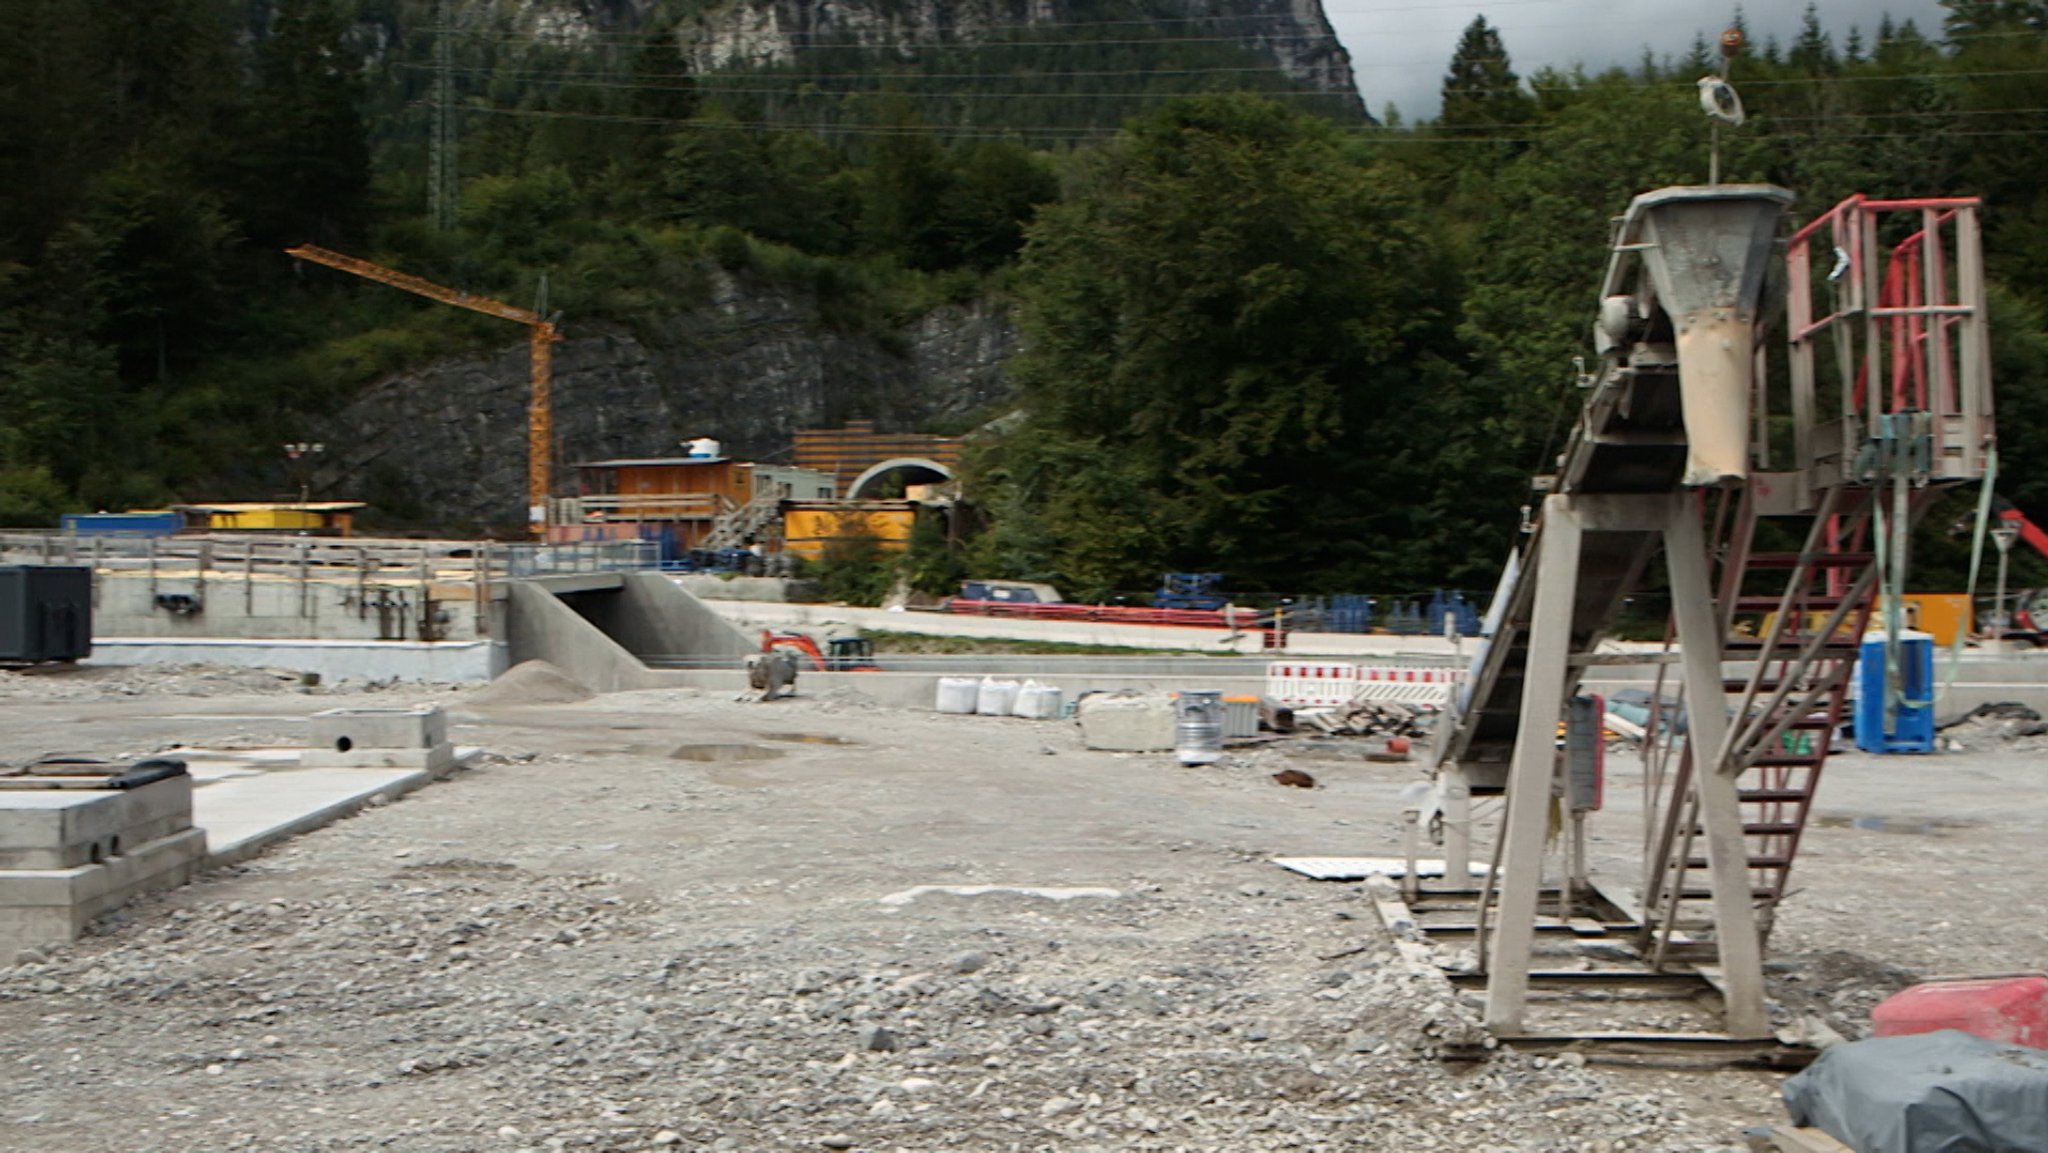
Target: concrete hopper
<point>1705,249</point>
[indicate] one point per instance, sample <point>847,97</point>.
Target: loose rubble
<point>1368,719</point>
<point>588,944</point>
<point>2002,724</point>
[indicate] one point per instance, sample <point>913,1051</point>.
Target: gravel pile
<point>530,683</point>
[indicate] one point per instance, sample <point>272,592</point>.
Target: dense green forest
<point>1264,333</point>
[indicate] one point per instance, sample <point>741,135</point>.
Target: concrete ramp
<point>541,627</point>
<point>601,632</point>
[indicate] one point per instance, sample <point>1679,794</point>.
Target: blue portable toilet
<point>1912,723</point>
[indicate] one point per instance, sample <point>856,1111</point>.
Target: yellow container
<point>808,530</point>
<point>1943,616</point>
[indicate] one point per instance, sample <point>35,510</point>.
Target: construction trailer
<point>1686,448</point>
<point>307,518</point>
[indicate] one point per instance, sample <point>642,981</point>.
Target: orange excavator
<point>840,654</point>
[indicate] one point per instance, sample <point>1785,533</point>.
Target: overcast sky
<point>1399,48</point>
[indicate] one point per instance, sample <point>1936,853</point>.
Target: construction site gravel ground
<point>667,920</point>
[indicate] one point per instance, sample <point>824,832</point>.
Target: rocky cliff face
<point>1294,34</point>
<point>740,33</point>
<point>447,443</point>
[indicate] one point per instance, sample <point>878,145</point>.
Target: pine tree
<point>1699,59</point>
<point>303,162</point>
<point>1481,92</point>
<point>1813,53</point>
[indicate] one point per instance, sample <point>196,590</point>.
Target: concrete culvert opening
<point>888,480</point>
<point>343,744</point>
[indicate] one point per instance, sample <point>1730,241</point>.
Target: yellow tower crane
<point>539,412</point>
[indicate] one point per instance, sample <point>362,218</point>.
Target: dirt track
<point>666,920</point>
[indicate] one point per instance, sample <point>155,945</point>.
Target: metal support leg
<point>1720,812</point>
<point>1456,805</point>
<point>1411,845</point>
<point>1535,762</point>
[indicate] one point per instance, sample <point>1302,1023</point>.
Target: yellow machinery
<point>539,413</point>
<point>1942,616</point>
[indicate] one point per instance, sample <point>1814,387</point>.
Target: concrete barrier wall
<point>759,615</point>
<point>438,662</point>
<point>272,607</point>
<point>746,588</point>
<point>1979,678</point>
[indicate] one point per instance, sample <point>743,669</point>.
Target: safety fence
<point>305,557</point>
<point>1335,684</point>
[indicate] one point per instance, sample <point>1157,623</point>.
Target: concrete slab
<point>1359,868</point>
<point>244,815</point>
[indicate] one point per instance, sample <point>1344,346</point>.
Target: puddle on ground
<point>1919,826</point>
<point>807,739</point>
<point>723,754</point>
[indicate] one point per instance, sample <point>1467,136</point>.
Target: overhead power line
<point>752,83</point>
<point>1083,134</point>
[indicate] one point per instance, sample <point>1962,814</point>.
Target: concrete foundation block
<point>68,828</point>
<point>1127,722</point>
<point>52,906</point>
<point>347,730</point>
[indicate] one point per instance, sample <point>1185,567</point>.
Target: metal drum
<point>1198,728</point>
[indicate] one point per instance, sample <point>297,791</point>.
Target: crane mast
<point>543,335</point>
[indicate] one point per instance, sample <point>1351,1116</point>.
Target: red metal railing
<point>1245,619</point>
<point>1907,327</point>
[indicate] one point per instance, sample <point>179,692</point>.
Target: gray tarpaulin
<point>1944,1092</point>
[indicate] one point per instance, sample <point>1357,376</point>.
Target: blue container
<point>1463,616</point>
<point>1349,613</point>
<point>1912,723</point>
<point>138,524</point>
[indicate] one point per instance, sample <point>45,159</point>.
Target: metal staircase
<point>736,527</point>
<point>1800,646</point>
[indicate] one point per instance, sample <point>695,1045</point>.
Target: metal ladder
<point>732,528</point>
